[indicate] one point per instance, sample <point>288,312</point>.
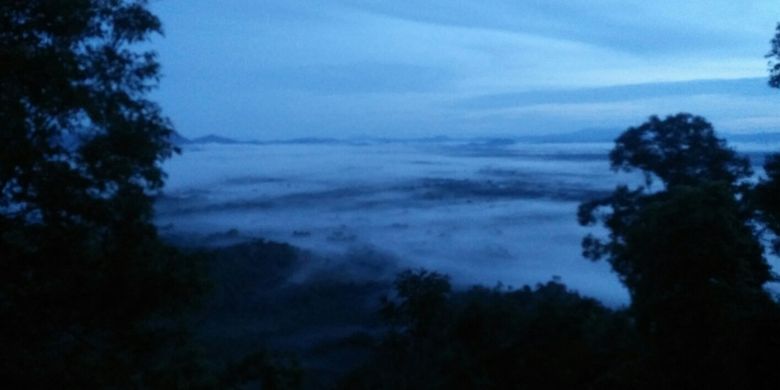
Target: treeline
<point>546,337</point>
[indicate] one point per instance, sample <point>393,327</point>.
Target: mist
<point>483,211</point>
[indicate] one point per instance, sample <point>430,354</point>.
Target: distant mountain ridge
<point>597,135</point>
<point>584,135</point>
<point>179,140</point>
<point>609,135</point>
<point>214,139</point>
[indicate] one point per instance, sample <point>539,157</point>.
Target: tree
<point>689,254</point>
<point>86,288</point>
<point>767,198</point>
<point>681,149</point>
<point>774,59</point>
<point>767,194</point>
<point>542,337</point>
<point>683,152</point>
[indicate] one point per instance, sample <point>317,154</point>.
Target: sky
<point>282,69</point>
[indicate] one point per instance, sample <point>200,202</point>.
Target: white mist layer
<point>480,212</point>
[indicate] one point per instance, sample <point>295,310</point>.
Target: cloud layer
<point>339,68</point>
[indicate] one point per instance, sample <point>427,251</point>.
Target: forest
<point>93,295</point>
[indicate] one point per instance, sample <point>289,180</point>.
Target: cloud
<point>621,93</point>
<point>640,27</point>
<point>335,68</point>
<point>357,78</point>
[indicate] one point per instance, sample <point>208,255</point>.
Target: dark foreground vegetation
<point>92,297</point>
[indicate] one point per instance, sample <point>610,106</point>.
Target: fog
<point>482,211</point>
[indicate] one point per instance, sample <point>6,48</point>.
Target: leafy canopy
<point>661,235</point>
<point>774,59</point>
<point>768,190</point>
<point>542,337</point>
<point>680,149</point>
<point>87,291</point>
<point>80,143</point>
<point>689,254</point>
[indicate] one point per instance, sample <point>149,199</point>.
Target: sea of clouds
<point>482,211</point>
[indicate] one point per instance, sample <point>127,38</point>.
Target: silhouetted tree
<point>88,293</point>
<point>423,296</point>
<point>774,59</point>
<point>689,255</point>
<point>546,337</point>
<point>680,149</point>
<point>767,197</point>
<point>263,370</point>
<point>768,190</point>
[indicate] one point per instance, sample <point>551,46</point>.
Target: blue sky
<point>270,69</point>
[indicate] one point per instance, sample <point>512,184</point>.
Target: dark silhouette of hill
<point>214,139</point>
<point>589,135</point>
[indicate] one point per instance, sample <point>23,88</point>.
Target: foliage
<point>767,193</point>
<point>767,198</point>
<point>689,254</point>
<point>547,337</point>
<point>265,370</point>
<point>681,149</point>
<point>684,235</point>
<point>774,60</point>
<point>89,297</point>
<point>423,295</point>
